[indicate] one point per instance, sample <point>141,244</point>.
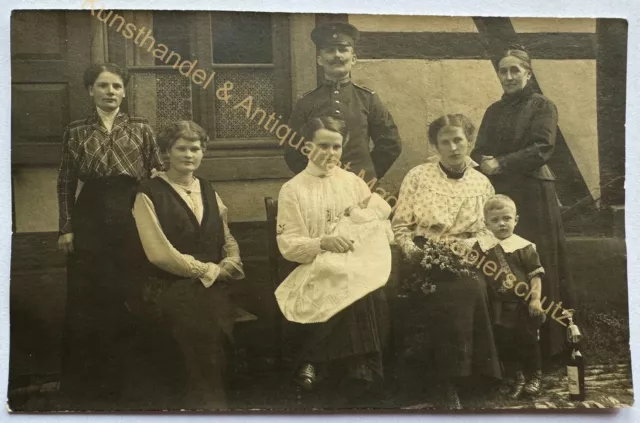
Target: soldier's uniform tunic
<point>366,117</point>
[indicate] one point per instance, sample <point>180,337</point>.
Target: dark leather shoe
<point>452,400</point>
<point>506,386</point>
<point>518,386</point>
<point>306,376</point>
<point>532,387</point>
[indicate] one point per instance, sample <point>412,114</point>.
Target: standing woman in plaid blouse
<point>109,152</point>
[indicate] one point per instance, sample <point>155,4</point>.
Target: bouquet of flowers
<point>439,263</point>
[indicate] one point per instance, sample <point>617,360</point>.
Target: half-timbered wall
<point>421,66</point>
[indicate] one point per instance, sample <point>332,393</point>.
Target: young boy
<point>515,291</point>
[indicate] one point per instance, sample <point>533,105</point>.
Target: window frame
<point>203,100</point>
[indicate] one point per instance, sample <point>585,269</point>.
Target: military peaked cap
<point>335,33</point>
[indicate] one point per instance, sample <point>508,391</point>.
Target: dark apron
<point>98,325</point>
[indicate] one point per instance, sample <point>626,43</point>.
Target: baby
<point>517,312</point>
<point>317,291</point>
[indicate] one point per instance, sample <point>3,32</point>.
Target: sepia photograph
<point>225,211</point>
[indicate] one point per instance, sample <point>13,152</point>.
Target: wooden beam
<point>451,45</point>
<point>282,62</point>
<point>559,46</point>
<point>201,45</point>
<point>99,49</point>
<point>303,55</point>
<point>611,84</point>
<point>420,45</point>
<point>244,168</point>
<point>497,34</point>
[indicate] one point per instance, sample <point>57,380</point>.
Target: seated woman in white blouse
<point>444,199</point>
<point>346,350</point>
<point>182,224</point>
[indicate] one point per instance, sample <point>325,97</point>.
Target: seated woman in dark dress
<point>444,200</point>
<point>182,224</point>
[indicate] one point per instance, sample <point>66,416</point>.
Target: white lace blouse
<point>309,207</point>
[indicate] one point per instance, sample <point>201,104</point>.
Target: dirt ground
<point>256,384</point>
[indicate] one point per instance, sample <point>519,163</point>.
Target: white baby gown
<point>316,291</point>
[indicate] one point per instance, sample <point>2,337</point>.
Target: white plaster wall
<point>554,25</point>
<point>571,85</point>
<point>419,91</point>
<point>412,23</point>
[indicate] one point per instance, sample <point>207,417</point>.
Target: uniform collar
<point>337,84</point>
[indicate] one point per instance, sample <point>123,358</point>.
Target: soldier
<point>366,116</point>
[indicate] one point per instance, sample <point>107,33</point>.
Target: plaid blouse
<point>89,151</point>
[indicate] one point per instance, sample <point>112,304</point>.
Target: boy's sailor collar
<point>509,245</point>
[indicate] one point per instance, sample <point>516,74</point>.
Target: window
<point>248,49</point>
<point>170,28</point>
<point>242,37</point>
<point>243,55</point>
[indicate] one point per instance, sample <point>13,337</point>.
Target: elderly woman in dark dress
<point>444,200</point>
<point>515,141</point>
<point>110,152</point>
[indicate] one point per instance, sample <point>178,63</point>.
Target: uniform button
<point>337,101</point>
<point>336,92</point>
<point>338,112</point>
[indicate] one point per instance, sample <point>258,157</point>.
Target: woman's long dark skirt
<point>541,223</point>
<point>353,339</point>
<point>98,327</point>
<point>458,328</point>
<point>181,361</point>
